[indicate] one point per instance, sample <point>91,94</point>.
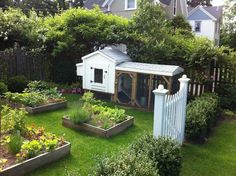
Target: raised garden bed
<point>118,128</point>
<point>29,165</point>
<point>48,107</point>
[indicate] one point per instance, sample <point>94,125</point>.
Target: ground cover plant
<point>20,142</point>
<point>97,114</point>
<point>36,94</point>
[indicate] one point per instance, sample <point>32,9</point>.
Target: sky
<point>217,2</point>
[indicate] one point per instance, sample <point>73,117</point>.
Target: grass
<point>86,148</point>
<point>217,157</point>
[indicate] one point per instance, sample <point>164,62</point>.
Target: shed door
<point>99,77</point>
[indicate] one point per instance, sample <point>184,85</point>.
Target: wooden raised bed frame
<point>47,107</point>
<point>30,165</point>
<point>66,122</point>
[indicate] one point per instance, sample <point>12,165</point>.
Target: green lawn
<point>217,157</point>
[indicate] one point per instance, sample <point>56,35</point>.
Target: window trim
<point>199,27</point>
<point>126,5</point>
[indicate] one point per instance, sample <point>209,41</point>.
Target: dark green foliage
<point>227,94</point>
<point>201,116</point>
<point>3,88</point>
<point>15,143</point>
<point>18,28</point>
<point>179,22</point>
<point>164,153</point>
<point>124,164</point>
<point>17,83</point>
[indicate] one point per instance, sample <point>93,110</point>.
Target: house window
<point>98,75</point>
<point>130,4</point>
<point>197,27</point>
<point>174,7</point>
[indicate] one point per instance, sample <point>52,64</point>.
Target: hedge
<point>201,116</point>
<point>146,156</point>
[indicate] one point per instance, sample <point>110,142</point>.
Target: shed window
<point>197,27</point>
<point>98,75</point>
<point>130,4</point>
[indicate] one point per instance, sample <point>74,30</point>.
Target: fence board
<point>19,62</point>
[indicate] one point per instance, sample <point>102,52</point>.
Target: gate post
<point>184,88</point>
<point>159,110</point>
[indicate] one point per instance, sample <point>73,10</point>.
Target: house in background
<point>206,21</point>
<point>126,8</point>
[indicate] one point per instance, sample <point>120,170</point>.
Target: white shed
<point>130,83</point>
<point>98,69</point>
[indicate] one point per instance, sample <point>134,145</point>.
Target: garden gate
<point>170,111</point>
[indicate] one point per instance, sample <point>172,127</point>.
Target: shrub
<point>15,143</point>
<point>164,153</point>
<point>17,84</point>
<point>3,88</point>
<point>201,116</point>
<point>126,163</point>
<point>227,94</point>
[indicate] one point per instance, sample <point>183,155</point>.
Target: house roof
<point>166,2</point>
<point>114,55</point>
<point>215,11</point>
<point>89,4</point>
<point>156,69</point>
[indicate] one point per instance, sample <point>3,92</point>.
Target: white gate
<point>170,111</point>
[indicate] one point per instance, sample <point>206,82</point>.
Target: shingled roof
<point>89,4</point>
<point>166,2</point>
<point>215,11</point>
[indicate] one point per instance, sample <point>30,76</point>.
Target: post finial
<point>160,90</point>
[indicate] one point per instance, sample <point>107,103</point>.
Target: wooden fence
<point>20,62</point>
<point>208,80</point>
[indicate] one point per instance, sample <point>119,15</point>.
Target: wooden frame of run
<point>134,76</point>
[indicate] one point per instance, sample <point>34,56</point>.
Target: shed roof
<point>112,54</point>
<point>156,69</point>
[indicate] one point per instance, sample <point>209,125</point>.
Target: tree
<point>40,6</point>
<point>149,32</point>
<point>194,3</point>
<point>77,32</point>
<point>228,31</point>
<point>16,27</point>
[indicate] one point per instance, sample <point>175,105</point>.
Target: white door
<point>99,77</point>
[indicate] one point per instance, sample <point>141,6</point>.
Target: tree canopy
<point>228,32</point>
